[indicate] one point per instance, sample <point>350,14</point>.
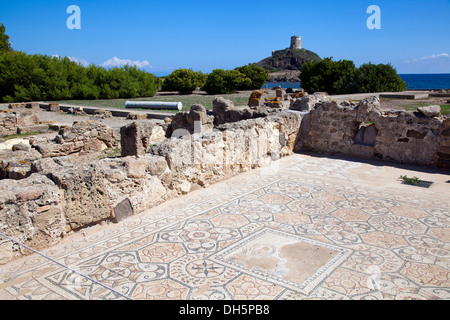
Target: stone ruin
<point>62,185</point>
<point>65,186</point>
<point>364,130</point>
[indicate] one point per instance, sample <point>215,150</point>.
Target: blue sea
<point>427,81</point>
<point>414,82</point>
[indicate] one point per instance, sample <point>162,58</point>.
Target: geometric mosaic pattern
<point>292,232</point>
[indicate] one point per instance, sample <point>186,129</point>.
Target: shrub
<point>185,81</point>
<point>35,77</point>
<point>39,77</point>
<point>326,75</point>
<point>225,81</point>
<point>339,77</point>
<point>257,75</point>
<point>378,78</point>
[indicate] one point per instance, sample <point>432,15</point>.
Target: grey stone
<point>194,120</point>
<point>367,106</point>
<point>123,210</point>
<point>21,147</point>
<point>359,138</point>
<point>430,111</point>
<point>135,138</point>
<point>308,102</point>
<point>370,135</point>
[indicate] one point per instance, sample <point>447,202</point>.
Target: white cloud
<point>79,60</point>
<point>117,62</point>
<point>74,59</point>
<point>435,57</point>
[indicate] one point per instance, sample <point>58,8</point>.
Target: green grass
<point>110,153</point>
<point>186,100</point>
<point>18,135</point>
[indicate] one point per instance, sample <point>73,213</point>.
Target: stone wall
<point>363,130</point>
<point>443,150</point>
<point>31,211</point>
<point>76,195</point>
<point>18,121</point>
<point>83,137</point>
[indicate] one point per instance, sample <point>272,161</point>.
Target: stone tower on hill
<point>296,42</point>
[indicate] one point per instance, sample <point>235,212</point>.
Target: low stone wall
<point>18,121</point>
<point>363,130</point>
<point>83,137</point>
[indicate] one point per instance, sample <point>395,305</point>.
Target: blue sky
<point>160,36</point>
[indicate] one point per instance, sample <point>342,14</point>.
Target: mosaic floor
<point>304,228</point>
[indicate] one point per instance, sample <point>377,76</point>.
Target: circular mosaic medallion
<point>397,225</point>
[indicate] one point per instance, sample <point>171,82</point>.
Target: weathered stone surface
<point>54,107</point>
<point>430,111</point>
<point>366,108</point>
<point>17,164</point>
<point>398,136</point>
<point>122,210</point>
<point>370,135</point>
<point>220,108</point>
<point>103,113</point>
<point>256,98</point>
<point>136,116</point>
<point>85,193</point>
<point>90,191</point>
<point>225,112</point>
<point>135,138</point>
<point>83,137</point>
<point>19,121</point>
<point>31,212</point>
<point>21,147</point>
<point>194,120</point>
<point>307,102</point>
<point>443,152</point>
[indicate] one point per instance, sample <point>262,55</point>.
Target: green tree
<point>339,77</point>
<point>185,81</point>
<point>39,77</point>
<point>257,75</point>
<point>333,77</point>
<point>5,44</point>
<point>378,78</point>
<point>221,81</point>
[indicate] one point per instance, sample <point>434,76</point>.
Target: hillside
<point>287,59</point>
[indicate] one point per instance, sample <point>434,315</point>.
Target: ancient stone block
<point>307,102</point>
<point>370,135</point>
<point>54,107</point>
<point>359,138</point>
<point>430,111</point>
<point>103,113</point>
<point>135,138</point>
<point>255,98</point>
<point>365,107</point>
<point>85,193</point>
<point>122,210</point>
<point>22,218</point>
<point>83,137</point>
<point>136,116</point>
